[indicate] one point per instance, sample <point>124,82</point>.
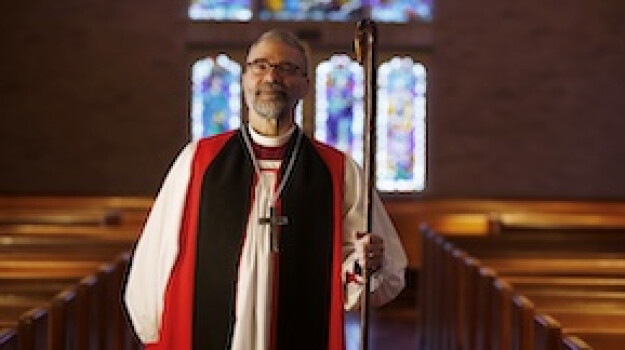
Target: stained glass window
<point>313,10</point>
<point>346,10</point>
<point>401,10</point>
<point>216,96</point>
<point>401,125</point>
<point>400,158</point>
<point>220,10</point>
<point>339,104</point>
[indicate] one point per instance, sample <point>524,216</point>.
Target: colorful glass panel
<point>346,10</point>
<point>401,10</point>
<point>220,10</point>
<point>401,125</point>
<point>216,96</point>
<point>339,104</point>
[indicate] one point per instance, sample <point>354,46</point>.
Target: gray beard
<point>270,109</point>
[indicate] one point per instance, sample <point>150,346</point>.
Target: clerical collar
<point>270,141</point>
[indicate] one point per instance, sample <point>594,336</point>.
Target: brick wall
<point>527,98</point>
<point>92,93</point>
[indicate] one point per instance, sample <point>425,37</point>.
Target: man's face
<point>272,92</point>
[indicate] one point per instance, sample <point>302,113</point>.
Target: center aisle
<point>393,326</point>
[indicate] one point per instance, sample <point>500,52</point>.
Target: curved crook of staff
<point>365,49</point>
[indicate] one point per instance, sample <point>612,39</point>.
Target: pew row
<point>457,288</point>
<point>85,315</point>
<point>55,255</point>
<point>8,339</point>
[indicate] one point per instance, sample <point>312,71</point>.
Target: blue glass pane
<point>401,10</point>
<point>216,96</point>
<point>401,125</point>
<point>346,10</point>
<point>222,10</point>
<point>339,105</point>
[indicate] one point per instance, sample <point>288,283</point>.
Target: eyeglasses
<point>284,69</point>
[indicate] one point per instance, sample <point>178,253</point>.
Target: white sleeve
<point>156,250</point>
<point>389,280</point>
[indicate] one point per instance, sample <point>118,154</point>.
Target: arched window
<point>401,125</point>
<point>216,96</point>
<point>339,104</point>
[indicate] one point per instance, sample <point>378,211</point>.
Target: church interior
<point>512,216</point>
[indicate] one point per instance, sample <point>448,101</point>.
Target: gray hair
<point>286,38</point>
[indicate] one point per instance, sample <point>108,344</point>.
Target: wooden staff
<point>364,44</point>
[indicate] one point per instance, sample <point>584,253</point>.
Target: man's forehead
<point>275,50</point>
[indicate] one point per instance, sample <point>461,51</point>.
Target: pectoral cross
<point>274,221</point>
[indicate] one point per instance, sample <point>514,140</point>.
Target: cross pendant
<point>274,221</point>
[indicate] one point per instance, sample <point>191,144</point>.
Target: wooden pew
<point>427,279</point>
<point>124,203</point>
<point>609,340</point>
<point>51,244</point>
<point>514,222</point>
<point>597,317</point>
<point>28,248</point>
<point>522,317</point>
<point>48,268</point>
<point>94,217</point>
<point>588,313</point>
<point>63,321</point>
<point>13,305</point>
<point>8,339</point>
<point>116,323</point>
<point>501,316</point>
<point>469,343</point>
<point>451,315</point>
<point>523,313</point>
<point>600,323</point>
<point>528,284</point>
<point>125,211</point>
<point>597,266</point>
<point>547,332</point>
<point>87,315</point>
<point>468,322</point>
<point>571,342</point>
<point>599,329</point>
<point>32,330</point>
<point>68,259</point>
<point>548,242</point>
<point>35,256</point>
<point>552,322</point>
<point>595,299</point>
<point>116,234</point>
<point>90,315</point>
<point>48,287</point>
<point>485,327</point>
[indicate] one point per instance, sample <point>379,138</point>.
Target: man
<point>254,240</point>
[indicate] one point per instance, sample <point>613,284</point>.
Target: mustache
<point>270,87</point>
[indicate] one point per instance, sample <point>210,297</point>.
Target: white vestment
<point>157,248</point>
